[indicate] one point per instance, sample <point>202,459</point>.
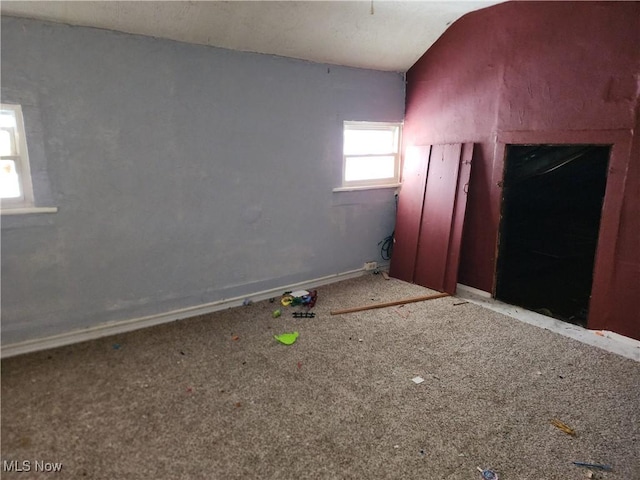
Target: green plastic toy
<point>287,338</point>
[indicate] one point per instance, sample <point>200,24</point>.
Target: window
<point>16,190</point>
<point>371,154</point>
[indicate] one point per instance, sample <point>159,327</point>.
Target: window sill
<point>366,187</point>
<point>27,210</point>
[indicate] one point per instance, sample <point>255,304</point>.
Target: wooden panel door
<point>409,216</point>
<point>427,251</point>
<point>457,225</point>
<point>437,216</point>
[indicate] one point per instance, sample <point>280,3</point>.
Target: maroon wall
<point>541,72</point>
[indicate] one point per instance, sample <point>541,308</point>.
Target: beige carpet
<point>188,401</point>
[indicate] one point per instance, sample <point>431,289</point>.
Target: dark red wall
<point>544,72</point>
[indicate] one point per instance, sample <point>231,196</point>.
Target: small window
<point>16,190</point>
<point>371,154</point>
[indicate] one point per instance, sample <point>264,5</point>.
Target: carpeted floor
<point>217,397</point>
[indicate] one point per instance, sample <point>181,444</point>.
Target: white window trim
<point>366,187</point>
<point>373,183</point>
<point>26,210</point>
<point>26,200</point>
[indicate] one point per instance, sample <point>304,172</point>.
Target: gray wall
<point>183,175</point>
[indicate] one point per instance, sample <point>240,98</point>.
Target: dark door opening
<point>551,209</point>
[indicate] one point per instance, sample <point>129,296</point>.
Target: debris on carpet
<point>598,466</point>
<point>488,474</point>
<point>390,304</point>
<point>564,427</point>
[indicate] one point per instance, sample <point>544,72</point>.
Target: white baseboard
<point>474,291</point>
<point>609,341</point>
<point>122,326</point>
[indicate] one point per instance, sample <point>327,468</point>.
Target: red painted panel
<point>617,270</point>
<point>624,316</point>
<point>416,161</point>
<point>437,216</point>
<point>453,259</point>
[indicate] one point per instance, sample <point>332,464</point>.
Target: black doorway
<point>551,208</point>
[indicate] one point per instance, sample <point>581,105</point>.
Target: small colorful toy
<point>300,297</point>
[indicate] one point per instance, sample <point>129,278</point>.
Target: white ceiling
<point>378,34</point>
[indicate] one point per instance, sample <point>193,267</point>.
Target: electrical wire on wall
<point>387,247</point>
<point>386,250</point>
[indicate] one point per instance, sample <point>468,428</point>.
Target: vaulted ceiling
<point>376,34</point>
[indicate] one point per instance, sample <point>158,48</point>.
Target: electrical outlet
<point>370,265</point>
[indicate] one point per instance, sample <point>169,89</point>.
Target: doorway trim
<point>620,142</point>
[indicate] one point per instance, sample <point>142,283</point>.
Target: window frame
<point>396,128</point>
<point>21,159</point>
